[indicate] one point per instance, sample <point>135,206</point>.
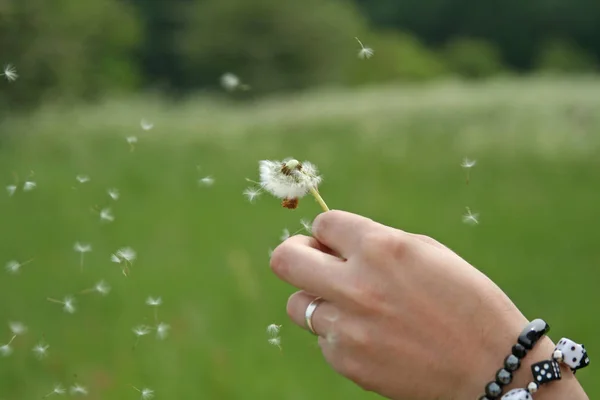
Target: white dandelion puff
<point>82,248</point>
<point>106,215</point>
<point>273,329</point>
<point>57,390</point>
<point>146,393</point>
<point>10,73</point>
<point>141,330</point>
<point>14,266</point>
<point>285,235</point>
<point>467,165</point>
<point>82,178</point>
<point>11,189</point>
<point>154,301</point>
<point>162,330</point>
<point>17,328</point>
<point>230,81</point>
<point>101,287</point>
<point>288,178</point>
<point>470,218</point>
<point>6,350</point>
<point>132,139</point>
<point>252,193</point>
<point>206,181</point>
<point>113,193</point>
<point>29,186</point>
<point>364,52</point>
<point>307,225</point>
<point>124,254</point>
<point>41,350</point>
<point>68,304</point>
<point>78,390</point>
<point>146,125</point>
<point>275,341</point>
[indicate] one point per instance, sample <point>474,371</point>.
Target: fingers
<point>298,262</point>
<point>322,318</point>
<point>341,231</point>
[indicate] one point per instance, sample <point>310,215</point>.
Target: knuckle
<point>279,259</point>
<point>385,243</point>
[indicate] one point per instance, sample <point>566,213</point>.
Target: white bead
<point>517,394</point>
<point>574,354</point>
<point>532,387</point>
<point>558,355</point>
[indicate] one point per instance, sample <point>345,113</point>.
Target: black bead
<point>533,332</point>
<point>519,351</point>
<point>493,390</point>
<point>483,397</point>
<point>503,376</point>
<point>512,363</point>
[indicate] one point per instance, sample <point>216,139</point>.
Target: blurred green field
<point>390,153</point>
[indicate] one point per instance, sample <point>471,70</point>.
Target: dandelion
<point>17,328</point>
<point>78,390</point>
<point>252,193</point>
<point>275,341</point>
<point>146,393</point>
<point>106,215</point>
<point>57,390</point>
<point>82,248</point>
<point>162,330</point>
<point>6,349</point>
<point>10,73</point>
<point>285,235</point>
<point>470,218</point>
<point>82,178</point>
<point>124,256</point>
<point>11,189</point>
<point>14,266</point>
<point>231,82</point>
<point>154,302</point>
<point>139,331</point>
<point>364,52</point>
<point>290,180</point>
<point>146,125</point>
<point>467,165</point>
<point>41,350</point>
<point>132,140</point>
<point>206,181</point>
<point>113,193</point>
<point>29,186</point>
<point>273,330</point>
<point>68,304</point>
<point>307,225</point>
<point>101,287</point>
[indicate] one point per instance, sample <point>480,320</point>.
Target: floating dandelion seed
<point>467,165</point>
<point>78,390</point>
<point>58,390</point>
<point>146,393</point>
<point>273,329</point>
<point>68,304</point>
<point>132,140</point>
<point>470,218</point>
<point>29,186</point>
<point>10,73</point>
<point>364,52</point>
<point>11,189</point>
<point>252,193</point>
<point>6,350</point>
<point>154,302</point>
<point>162,330</point>
<point>101,287</point>
<point>106,215</point>
<point>285,235</point>
<point>82,248</point>
<point>41,350</point>
<point>113,193</point>
<point>290,180</point>
<point>206,181</point>
<point>275,341</point>
<point>231,82</point>
<point>14,266</point>
<point>307,225</point>
<point>82,178</point>
<point>124,256</point>
<point>17,328</point>
<point>146,125</point>
<point>139,331</point>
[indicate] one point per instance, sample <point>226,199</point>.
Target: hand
<point>402,315</point>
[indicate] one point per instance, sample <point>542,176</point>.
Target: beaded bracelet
<point>566,352</point>
<point>530,335</point>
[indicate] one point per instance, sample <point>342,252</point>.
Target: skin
<point>403,315</point>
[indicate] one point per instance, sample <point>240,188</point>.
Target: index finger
<point>341,231</point>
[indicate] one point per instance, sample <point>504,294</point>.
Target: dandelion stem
<point>468,175</point>
<point>319,199</point>
<point>11,340</point>
<point>156,315</point>
<point>86,291</point>
<point>81,261</point>
<point>54,300</point>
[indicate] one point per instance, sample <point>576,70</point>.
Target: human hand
<point>402,315</point>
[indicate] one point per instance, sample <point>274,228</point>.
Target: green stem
<point>319,199</point>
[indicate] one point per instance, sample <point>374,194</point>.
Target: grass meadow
<point>391,153</point>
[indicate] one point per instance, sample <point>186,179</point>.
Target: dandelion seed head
<point>206,181</point>
<point>307,225</point>
<point>69,305</point>
<point>58,389</point>
<point>82,178</point>
<point>252,193</point>
<point>141,330</point>
<point>466,163</point>
<point>102,287</point>
<point>13,266</point>
<point>273,329</point>
<point>11,189</point>
<point>147,393</point>
<point>364,52</point>
<point>288,179</point>
<point>5,350</point>
<point>82,247</point>
<point>285,235</point>
<point>113,193</point>
<point>29,186</point>
<point>132,139</point>
<point>10,73</point>
<point>78,390</point>
<point>146,125</point>
<point>275,341</point>
<point>162,330</point>
<point>154,301</point>
<point>230,81</point>
<point>125,254</point>
<point>17,328</point>
<point>470,218</point>
<point>41,350</point>
<point>106,215</point>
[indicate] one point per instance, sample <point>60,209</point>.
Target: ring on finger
<point>308,315</point>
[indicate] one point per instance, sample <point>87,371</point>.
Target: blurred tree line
<point>73,49</point>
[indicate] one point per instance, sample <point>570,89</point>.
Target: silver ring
<point>310,310</point>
